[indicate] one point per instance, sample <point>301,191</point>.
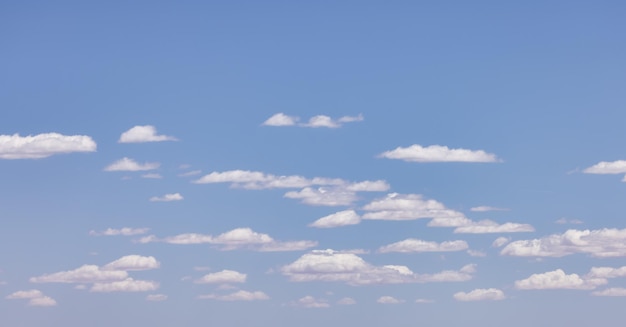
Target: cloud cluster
<point>607,242</point>
<point>142,134</point>
<point>43,145</point>
<point>438,153</point>
<point>481,294</point>
<point>112,277</point>
<point>281,119</point>
<point>333,266</point>
<point>239,238</point>
<point>35,298</point>
<point>558,279</point>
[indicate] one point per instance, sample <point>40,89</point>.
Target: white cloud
<point>408,207</point>
<point>331,197</point>
<point>480,294</point>
<point>127,285</point>
<point>346,301</point>
<point>438,153</point>
<point>333,266</point>
<point>190,173</point>
<point>476,253</point>
<point>156,297</point>
<point>239,238</point>
<point>321,121</point>
<point>597,243</point>
<point>152,176</point>
<point>341,218</point>
<point>615,291</point>
<point>310,302</point>
<point>563,221</point>
<point>133,262</point>
<point>350,119</point>
<point>141,134</point>
<point>500,241</point>
<point>415,245</point>
<point>606,167</point>
<point>280,119</point>
<point>388,300</point>
<point>237,296</point>
<point>487,208</point>
<point>424,301</point>
<point>125,231</point>
<point>488,226</point>
<point>36,298</point>
<point>167,198</point>
<point>557,279</point>
<point>43,145</point>
<point>83,274</point>
<point>606,272</point>
<point>127,164</point>
<point>223,277</point>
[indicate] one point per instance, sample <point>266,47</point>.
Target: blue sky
<point>279,163</point>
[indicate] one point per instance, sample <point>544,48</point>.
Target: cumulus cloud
<point>333,266</point>
<point>438,153</point>
<point>500,241</point>
<point>397,206</point>
<point>239,238</point>
<point>156,297</point>
<point>141,134</point>
<point>615,291</point>
<point>481,294</point>
<point>127,164</point>
<point>310,302</point>
<point>125,231</point>
<point>35,298</point>
<point>606,272</point>
<point>237,296</point>
<point>337,219</point>
<point>280,119</point>
<point>43,145</point>
<point>389,300</point>
<point>321,121</point>
<point>323,196</point>
<point>83,274</point>
<point>167,198</point>
<point>557,279</point>
<point>606,167</point>
<point>346,301</point>
<point>223,277</point>
<point>133,262</point>
<point>487,208</point>
<point>488,226</point>
<point>127,285</point>
<point>605,242</point>
<point>415,245</point>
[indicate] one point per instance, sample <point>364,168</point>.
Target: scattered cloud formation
<point>346,301</point>
<point>333,266</point>
<point>142,134</point>
<point>222,277</point>
<point>35,298</point>
<point>337,219</point>
<point>557,279</point>
<point>127,164</point>
<point>481,294</point>
<point>239,238</point>
<point>415,245</point>
<point>167,198</point>
<point>236,296</point>
<point>280,119</point>
<point>310,302</point>
<point>83,274</point>
<point>438,153</point>
<point>43,145</point>
<point>125,231</point>
<point>156,297</point>
<point>388,300</point>
<point>607,242</point>
<point>487,208</point>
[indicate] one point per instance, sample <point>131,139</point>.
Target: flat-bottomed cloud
<point>43,145</point>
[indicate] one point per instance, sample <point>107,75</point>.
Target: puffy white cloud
<point>605,242</point>
<point>615,291</point>
<point>280,119</point>
<point>480,294</point>
<point>415,245</point>
<point>223,277</point>
<point>323,196</point>
<point>487,208</point>
<point>337,219</point>
<point>388,300</point>
<point>488,226</point>
<point>321,121</point>
<point>167,198</point>
<point>557,279</point>
<point>133,262</point>
<point>606,167</point>
<point>333,266</point>
<point>407,207</point>
<point>36,298</point>
<point>500,241</point>
<point>83,274</point>
<point>127,285</point>
<point>438,153</point>
<point>310,302</point>
<point>125,231</point>
<point>237,296</point>
<point>127,164</point>
<point>239,238</point>
<point>346,301</point>
<point>156,297</point>
<point>606,272</point>
<point>141,134</point>
<point>43,145</point>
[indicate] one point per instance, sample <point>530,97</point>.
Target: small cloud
<point>338,219</point>
<point>142,134</point>
<point>43,145</point>
<point>424,301</point>
<point>438,153</point>
<point>322,121</point>
<point>500,241</point>
<point>475,253</point>
<point>280,119</point>
<point>190,173</point>
<point>125,231</point>
<point>222,277</point>
<point>557,279</point>
<point>167,198</point>
<point>156,297</point>
<point>152,176</point>
<point>487,208</point>
<point>563,221</point>
<point>346,301</point>
<point>35,298</point>
<point>389,300</point>
<point>606,167</point>
<point>350,119</point>
<point>491,294</point>
<point>310,302</point>
<point>127,164</point>
<point>415,245</point>
<point>127,285</point>
<point>616,291</point>
<point>237,296</point>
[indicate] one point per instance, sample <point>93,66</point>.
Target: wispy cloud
<point>127,164</point>
<point>487,208</point>
<point>414,245</point>
<point>125,231</point>
<point>341,218</point>
<point>142,134</point>
<point>43,145</point>
<point>480,294</point>
<point>310,302</point>
<point>167,198</point>
<point>237,296</point>
<point>438,153</point>
<point>389,300</point>
<point>35,298</point>
<point>281,119</point>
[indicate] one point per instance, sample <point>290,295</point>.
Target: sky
<point>280,163</point>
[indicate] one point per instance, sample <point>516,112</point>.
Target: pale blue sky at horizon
<point>279,163</point>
